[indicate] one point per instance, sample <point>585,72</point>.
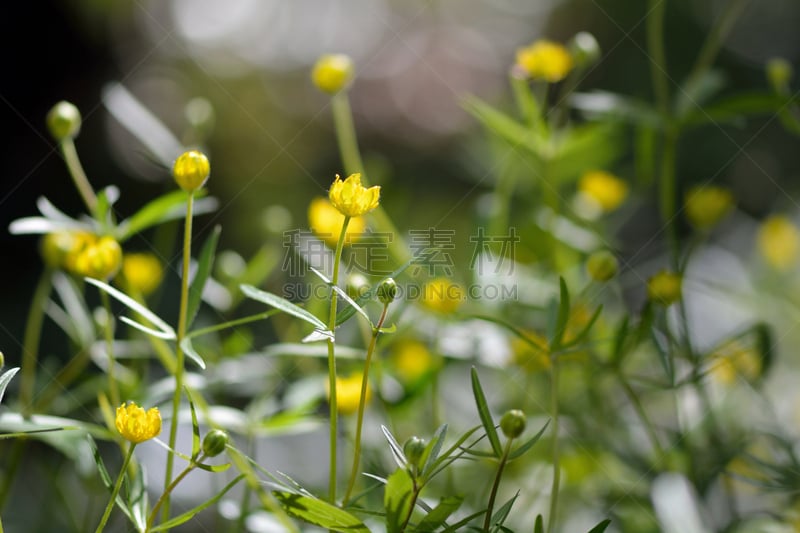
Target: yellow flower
<point>530,358</point>
<point>412,360</point>
<point>705,206</point>
<point>779,242</point>
<point>546,60</point>
<point>332,72</point>
<point>100,259</point>
<point>348,393</point>
<point>60,248</point>
<point>326,221</point>
<point>664,287</point>
<point>351,198</point>
<point>734,359</point>
<point>142,272</point>
<point>191,170</point>
<point>603,189</point>
<point>442,295</point>
<point>137,425</point>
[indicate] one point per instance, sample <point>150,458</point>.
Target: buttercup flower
<point>602,265</point>
<point>546,60</point>
<point>332,72</point>
<point>191,170</point>
<point>603,189</point>
<point>412,360</point>
<point>60,248</point>
<point>326,222</point>
<point>664,287</point>
<point>351,198</point>
<point>442,295</point>
<point>779,242</point>
<point>100,259</point>
<point>348,393</point>
<point>142,272</point>
<point>529,358</point>
<point>734,360</point>
<point>137,425</point>
<point>705,206</point>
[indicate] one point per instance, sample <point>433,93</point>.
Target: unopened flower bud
<point>387,291</point>
<point>779,73</point>
<point>332,72</point>
<point>513,423</point>
<point>191,170</point>
<point>2,360</point>
<point>413,449</point>
<point>665,287</point>
<point>356,285</point>
<point>602,265</point>
<point>64,121</point>
<point>584,49</point>
<point>214,442</point>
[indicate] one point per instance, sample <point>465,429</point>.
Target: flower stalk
<point>117,486</point>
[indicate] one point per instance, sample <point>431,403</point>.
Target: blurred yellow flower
<point>326,222</point>
<point>528,357</point>
<point>779,242</point>
<point>442,295</point>
<point>545,60</point>
<point>706,206</point>
<point>60,248</point>
<point>412,360</point>
<point>137,425</point>
<point>332,72</point>
<point>351,198</point>
<point>100,259</point>
<point>348,393</point>
<point>733,360</point>
<point>191,170</point>
<point>142,272</point>
<point>604,189</point>
<point>664,287</point>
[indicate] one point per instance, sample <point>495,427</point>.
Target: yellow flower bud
<point>442,295</point>
<point>332,73</point>
<point>191,170</point>
<point>602,265</point>
<point>351,198</point>
<point>64,121</point>
<point>664,288</point>
<point>706,206</point>
<point>142,272</point>
<point>137,425</point>
<point>348,393</point>
<point>779,242</point>
<point>545,60</point>
<point>99,260</point>
<point>55,246</point>
<point>603,189</point>
<point>326,222</point>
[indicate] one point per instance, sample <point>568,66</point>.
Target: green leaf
<point>538,526</point>
<point>736,108</point>
<point>106,478</point>
<point>664,355</point>
<point>204,265</point>
<point>618,351</point>
<point>436,518</point>
<point>213,468</point>
<point>485,415</point>
<point>191,353</point>
<point>170,206</point>
<point>345,314</point>
<point>500,516</point>
<point>394,446</point>
<point>697,91</point>
<point>599,528</point>
<point>585,331</point>
<point>195,426</point>
<point>431,452</point>
<point>562,317</point>
<point>319,513</point>
<point>463,522</point>
<point>284,305</point>
<point>5,379</point>
<point>164,330</point>
<point>528,444</point>
<point>185,517</point>
<point>447,457</point>
<point>397,499</point>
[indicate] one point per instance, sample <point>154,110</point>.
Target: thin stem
<point>176,398</point>
<point>722,27</point>
<point>414,496</point>
<point>551,521</point>
<point>30,343</point>
<point>113,389</point>
<point>165,495</point>
<point>332,361</point>
<point>362,402</point>
<point>487,521</point>
<point>117,486</point>
<point>642,414</point>
<point>658,56</point>
<point>78,175</point>
<point>668,191</point>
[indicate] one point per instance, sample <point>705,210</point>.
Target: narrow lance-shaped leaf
<point>499,517</point>
<point>528,444</point>
<point>394,446</point>
<point>166,331</point>
<point>204,264</point>
<point>562,317</point>
<point>599,528</point>
<point>397,499</point>
<point>436,518</point>
<point>485,415</point>
<point>185,517</point>
<point>5,379</point>
<point>319,513</point>
<point>191,353</point>
<point>284,305</point>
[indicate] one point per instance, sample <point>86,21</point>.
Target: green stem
<point>176,398</point>
<point>527,104</point>
<point>117,486</point>
<point>414,495</point>
<point>332,361</point>
<point>487,521</point>
<point>551,521</point>
<point>30,343</point>
<point>658,56</point>
<point>113,389</point>
<point>362,402</point>
<point>165,495</point>
<point>668,191</point>
<point>642,414</point>
<point>78,175</point>
<point>716,37</point>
